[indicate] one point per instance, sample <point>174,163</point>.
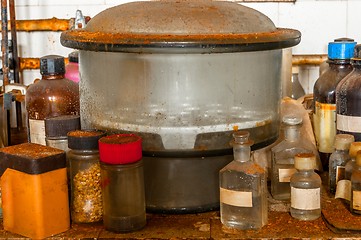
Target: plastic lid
<point>84,139</point>
<point>305,161</point>
<point>74,56</point>
<point>292,120</point>
<point>120,149</point>
<point>140,25</point>
<point>343,141</point>
<point>60,126</point>
<point>52,64</point>
<point>341,48</point>
<point>354,148</point>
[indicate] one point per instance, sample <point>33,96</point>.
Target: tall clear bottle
<point>52,96</point>
<point>324,91</point>
<point>355,204</point>
<point>243,188</point>
<point>282,163</point>
<point>305,189</point>
<point>348,99</point>
<point>338,160</point>
<point>297,90</point>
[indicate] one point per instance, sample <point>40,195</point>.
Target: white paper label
<point>236,198</point>
<point>286,174</point>
<point>305,199</point>
<point>349,123</point>
<point>37,131</point>
<point>343,189</point>
<point>324,120</point>
<point>356,200</point>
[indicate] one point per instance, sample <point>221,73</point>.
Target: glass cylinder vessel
<point>324,91</point>
<point>83,156</point>
<point>305,189</point>
<point>52,96</point>
<point>282,161</point>
<point>243,188</point>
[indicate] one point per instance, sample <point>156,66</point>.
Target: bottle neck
<point>53,76</point>
<point>241,153</point>
<point>339,62</point>
<point>292,133</point>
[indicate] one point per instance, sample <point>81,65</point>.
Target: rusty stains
<point>311,59</point>
<point>32,63</point>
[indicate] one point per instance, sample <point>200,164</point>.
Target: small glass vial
<point>83,157</point>
<point>282,161</point>
<point>338,160</point>
<point>351,164</point>
<point>305,189</point>
<point>243,188</point>
<point>297,90</point>
<point>122,182</point>
<point>57,128</point>
<point>355,204</point>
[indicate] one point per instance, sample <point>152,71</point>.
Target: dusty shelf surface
<point>205,226</point>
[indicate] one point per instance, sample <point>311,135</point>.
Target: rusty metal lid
<point>197,25</point>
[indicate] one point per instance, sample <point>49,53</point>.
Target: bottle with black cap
<point>340,52</point>
<point>348,99</point>
<point>52,96</point>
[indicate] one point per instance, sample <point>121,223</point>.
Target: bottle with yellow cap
<point>338,160</point>
<point>351,164</point>
<point>355,204</point>
<point>305,189</point>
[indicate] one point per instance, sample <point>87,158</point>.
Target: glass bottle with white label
<point>282,163</point>
<point>348,99</point>
<point>355,204</point>
<point>338,160</point>
<point>324,91</point>
<point>305,189</point>
<point>52,96</point>
<point>351,164</point>
<point>243,188</point>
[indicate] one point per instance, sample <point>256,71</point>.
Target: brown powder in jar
<point>119,139</point>
<point>31,150</point>
<point>84,133</point>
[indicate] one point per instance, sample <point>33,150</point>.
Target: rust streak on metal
<point>32,63</point>
<point>311,59</point>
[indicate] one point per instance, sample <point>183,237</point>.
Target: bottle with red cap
<point>122,182</point>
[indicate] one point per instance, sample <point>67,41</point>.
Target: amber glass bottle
<point>52,96</point>
<point>348,99</point>
<point>324,91</point>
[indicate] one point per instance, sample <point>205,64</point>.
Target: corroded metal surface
<point>212,26</point>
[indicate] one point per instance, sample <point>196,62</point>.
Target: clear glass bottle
<point>338,160</point>
<point>52,96</point>
<point>355,204</point>
<point>324,91</point>
<point>122,182</point>
<point>297,90</point>
<point>282,161</point>
<point>83,156</point>
<point>57,128</point>
<point>305,189</point>
<point>348,99</point>
<point>243,188</point>
<point>351,164</point>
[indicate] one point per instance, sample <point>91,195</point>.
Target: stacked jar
<point>83,157</point>
<point>122,182</point>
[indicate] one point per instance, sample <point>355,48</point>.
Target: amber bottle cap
<point>120,149</point>
<point>305,161</point>
<point>358,158</point>
<point>52,64</point>
<point>343,141</point>
<point>354,148</point>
